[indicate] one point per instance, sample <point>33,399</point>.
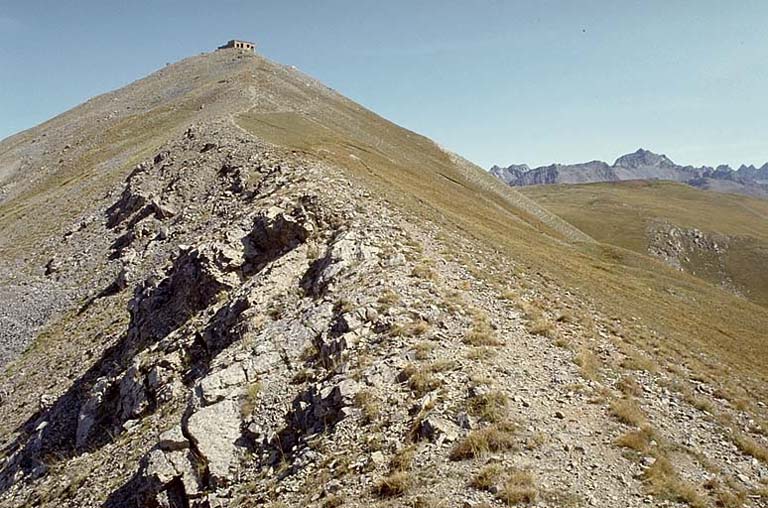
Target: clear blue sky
<point>497,81</point>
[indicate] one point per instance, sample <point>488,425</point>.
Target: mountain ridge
<point>641,165</point>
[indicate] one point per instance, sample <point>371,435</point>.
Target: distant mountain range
<point>641,165</point>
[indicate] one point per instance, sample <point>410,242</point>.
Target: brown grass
<point>482,334</point>
<point>627,411</point>
<point>664,482</point>
<point>751,446</point>
<point>637,440</point>
<point>487,477</point>
<point>492,406</point>
<point>518,488</point>
<point>403,459</point>
<point>369,405</point>
<point>393,485</point>
<point>497,437</point>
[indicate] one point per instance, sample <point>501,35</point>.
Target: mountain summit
<point>227,285</point>
<point>643,158</point>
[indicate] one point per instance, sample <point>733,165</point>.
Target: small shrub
<point>518,488</point>
<point>395,484</point>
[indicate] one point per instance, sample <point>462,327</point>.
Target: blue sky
<point>499,82</point>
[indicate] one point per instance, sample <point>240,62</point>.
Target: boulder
<point>438,429</point>
<point>214,430</point>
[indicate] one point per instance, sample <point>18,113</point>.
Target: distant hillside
<point>719,238</point>
<point>641,165</point>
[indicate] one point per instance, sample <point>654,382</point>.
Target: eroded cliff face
<point>694,251</point>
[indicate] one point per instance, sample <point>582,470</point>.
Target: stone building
<point>238,44</point>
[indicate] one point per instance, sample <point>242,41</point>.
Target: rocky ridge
<point>253,326</point>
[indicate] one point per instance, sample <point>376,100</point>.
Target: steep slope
<point>276,297</point>
<point>641,165</point>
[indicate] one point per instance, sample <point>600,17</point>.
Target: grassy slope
<point>698,323</point>
<point>619,214</point>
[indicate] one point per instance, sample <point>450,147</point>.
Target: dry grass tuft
<point>629,386</point>
<point>492,406</point>
<point>664,482</point>
<point>403,459</point>
<point>518,488</point>
<point>751,446</point>
<point>497,437</point>
<point>395,484</point>
<point>627,411</point>
<point>487,477</point>
<point>368,404</point>
<point>542,326</point>
<point>482,334</point>
<point>638,440</point>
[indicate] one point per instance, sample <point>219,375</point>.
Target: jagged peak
<point>643,157</point>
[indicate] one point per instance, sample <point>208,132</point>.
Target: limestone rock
<point>438,429</point>
<point>214,430</point>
